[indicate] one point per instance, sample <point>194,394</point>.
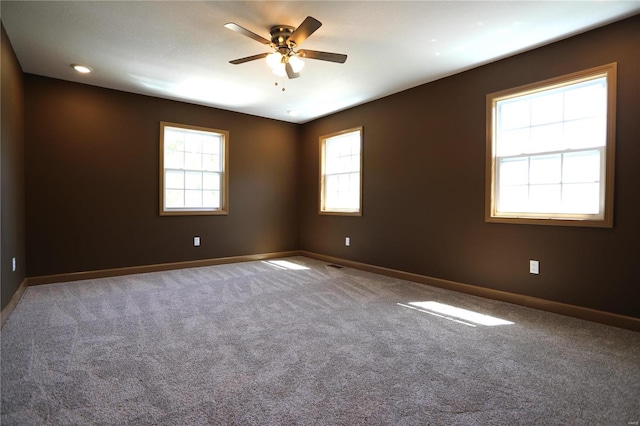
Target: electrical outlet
<point>534,267</point>
<point>196,241</point>
<point>347,241</point>
<point>13,264</point>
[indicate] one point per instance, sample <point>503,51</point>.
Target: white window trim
<point>224,184</point>
<point>605,219</point>
<point>338,212</point>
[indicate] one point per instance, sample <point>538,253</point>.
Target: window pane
<point>211,181</point>
<point>546,138</point>
<point>545,169</point>
<point>514,171</point>
<point>513,142</point>
<point>513,198</point>
<point>174,179</point>
<point>547,109</point>
<point>355,144</point>
<point>331,191</point>
<point>174,198</point>
<point>585,133</point>
<point>193,143</point>
<point>581,167</point>
<point>332,148</point>
<point>586,101</point>
<point>211,145</point>
<point>355,163</point>
<point>193,161</point>
<point>332,166</point>
<point>545,198</point>
<point>211,162</point>
<point>193,198</point>
<point>193,180</point>
<point>344,164</point>
<point>174,160</point>
<point>343,200</point>
<point>344,147</point>
<point>173,140</point>
<point>211,199</point>
<point>332,183</point>
<point>354,191</point>
<point>582,198</point>
<point>343,183</point>
<point>513,114</point>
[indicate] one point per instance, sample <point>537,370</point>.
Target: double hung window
<point>193,170</point>
<point>550,151</point>
<point>341,173</point>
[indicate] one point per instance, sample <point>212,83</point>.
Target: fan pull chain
<point>283,88</point>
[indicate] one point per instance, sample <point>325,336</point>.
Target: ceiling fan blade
<point>323,56</point>
<point>249,58</point>
<point>237,28</point>
<point>289,69</point>
<point>308,27</point>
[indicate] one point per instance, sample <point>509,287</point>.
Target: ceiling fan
<point>285,41</point>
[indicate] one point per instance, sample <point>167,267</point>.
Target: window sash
<point>556,122</point>
<point>565,205</point>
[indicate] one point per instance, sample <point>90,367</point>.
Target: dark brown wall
<point>12,173</point>
<point>92,182</point>
<point>424,177</point>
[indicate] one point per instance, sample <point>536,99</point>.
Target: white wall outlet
<point>347,241</point>
<point>196,241</point>
<point>13,264</point>
<point>534,267</point>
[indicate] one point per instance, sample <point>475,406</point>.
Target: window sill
<point>587,223</point>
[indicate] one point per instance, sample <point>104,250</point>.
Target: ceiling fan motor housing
<point>280,34</point>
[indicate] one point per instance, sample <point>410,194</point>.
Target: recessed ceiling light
<point>292,112</point>
<point>81,68</point>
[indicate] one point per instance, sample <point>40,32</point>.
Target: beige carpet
<point>300,342</point>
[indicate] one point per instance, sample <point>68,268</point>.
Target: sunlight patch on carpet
<point>285,264</point>
<point>456,314</point>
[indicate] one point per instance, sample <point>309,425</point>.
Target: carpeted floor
<point>260,343</point>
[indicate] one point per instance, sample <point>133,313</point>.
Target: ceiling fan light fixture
<point>296,63</point>
<point>280,70</point>
<point>274,60</point>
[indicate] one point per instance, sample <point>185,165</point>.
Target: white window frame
<point>223,173</point>
<point>604,218</point>
<point>342,211</point>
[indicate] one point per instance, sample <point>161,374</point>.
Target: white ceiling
<point>181,50</point>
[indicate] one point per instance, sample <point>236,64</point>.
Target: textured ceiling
<point>181,50</point>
